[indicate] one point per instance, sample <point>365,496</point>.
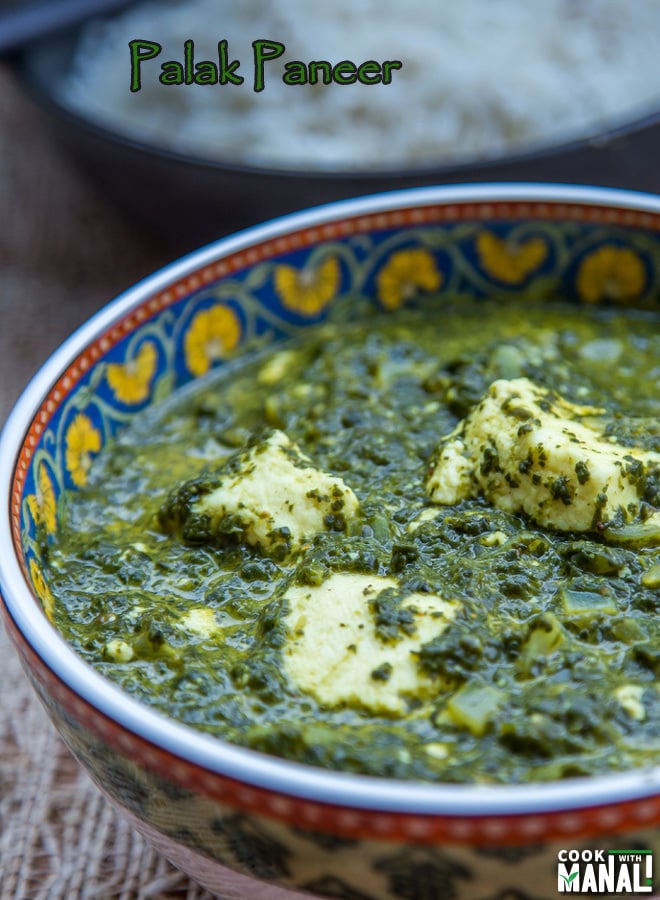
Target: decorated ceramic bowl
<point>242,823</point>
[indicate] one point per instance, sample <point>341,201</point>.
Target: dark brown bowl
<point>189,201</point>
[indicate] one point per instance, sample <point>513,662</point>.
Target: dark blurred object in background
<point>187,202</point>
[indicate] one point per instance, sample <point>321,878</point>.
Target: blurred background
<point>99,187</point>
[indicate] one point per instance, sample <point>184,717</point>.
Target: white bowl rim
<point>281,776</point>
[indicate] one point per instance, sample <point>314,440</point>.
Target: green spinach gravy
<point>262,557</point>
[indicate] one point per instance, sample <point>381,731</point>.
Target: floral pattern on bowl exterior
<point>191,828</point>
<point>536,250</point>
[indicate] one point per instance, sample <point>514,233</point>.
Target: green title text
<point>224,70</point>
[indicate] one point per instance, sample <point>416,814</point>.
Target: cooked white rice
<point>479,77</point>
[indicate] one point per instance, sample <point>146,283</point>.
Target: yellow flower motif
<point>507,261</point>
<point>611,273</point>
<point>406,273</point>
<point>82,441</point>
<point>41,589</point>
<point>42,504</point>
<point>130,381</point>
<point>308,291</point>
<point>212,335</point>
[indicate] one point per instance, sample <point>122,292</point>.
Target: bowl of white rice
<point>484,90</point>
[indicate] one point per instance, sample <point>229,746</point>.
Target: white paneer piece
<point>335,653</point>
<point>525,449</point>
<point>201,621</point>
<point>630,696</point>
<point>276,367</point>
<point>277,497</point>
<point>424,516</point>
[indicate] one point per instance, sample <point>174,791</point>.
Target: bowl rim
<point>214,754</point>
<point>638,118</point>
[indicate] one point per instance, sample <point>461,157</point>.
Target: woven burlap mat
<point>64,251</point>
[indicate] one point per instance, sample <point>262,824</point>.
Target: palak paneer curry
<point>423,545</point>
